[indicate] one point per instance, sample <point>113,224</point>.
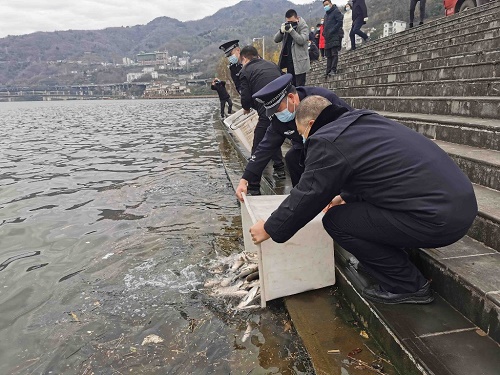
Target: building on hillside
<point>134,76</point>
<point>159,90</point>
<point>152,58</point>
<point>127,61</point>
<point>393,28</point>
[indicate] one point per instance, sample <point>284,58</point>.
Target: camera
<point>288,26</point>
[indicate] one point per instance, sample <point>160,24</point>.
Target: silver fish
<point>250,297</point>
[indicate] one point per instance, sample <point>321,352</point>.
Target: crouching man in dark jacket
<point>385,188</point>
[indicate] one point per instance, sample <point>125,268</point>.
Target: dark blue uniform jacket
<point>235,70</point>
<point>279,131</point>
<point>367,157</point>
<point>253,76</point>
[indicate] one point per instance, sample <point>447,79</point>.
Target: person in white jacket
<point>346,42</point>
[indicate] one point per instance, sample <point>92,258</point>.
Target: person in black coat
<point>359,18</point>
<point>278,98</point>
<point>232,51</point>
<point>385,188</point>
<point>313,51</point>
<point>255,74</point>
<point>333,34</point>
<point>220,87</point>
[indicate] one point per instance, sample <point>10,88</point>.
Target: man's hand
<point>258,232</point>
<point>288,29</point>
<point>337,201</point>
<point>365,19</point>
<point>282,29</point>
<point>246,111</point>
<point>242,188</point>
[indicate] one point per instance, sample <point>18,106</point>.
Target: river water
<point>110,214</point>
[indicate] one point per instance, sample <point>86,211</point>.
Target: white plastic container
<point>305,262</point>
<point>243,126</point>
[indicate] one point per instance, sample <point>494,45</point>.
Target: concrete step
<point>466,275</point>
<point>482,107</point>
<point>460,87</point>
<point>486,226</point>
<point>435,338</point>
<point>475,34</point>
<point>480,165</point>
<point>404,74</point>
<point>474,132</point>
<point>456,26</point>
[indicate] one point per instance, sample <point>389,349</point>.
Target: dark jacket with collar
<point>235,70</point>
<point>220,87</point>
<point>255,75</point>
<point>332,30</point>
<point>359,10</point>
<point>366,157</point>
<point>279,131</point>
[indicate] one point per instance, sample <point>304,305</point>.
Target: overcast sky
<point>19,17</point>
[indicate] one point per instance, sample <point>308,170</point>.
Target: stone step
<point>476,34</point>
<point>405,74</point>
<point>440,29</point>
<point>419,60</point>
<point>466,275</point>
<point>435,338</point>
<point>483,107</point>
<point>475,132</point>
<point>480,165</point>
<point>460,87</point>
<point>486,226</point>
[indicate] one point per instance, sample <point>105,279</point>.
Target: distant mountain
<point>24,59</point>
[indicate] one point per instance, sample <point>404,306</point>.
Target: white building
<point>393,27</point>
<point>133,76</point>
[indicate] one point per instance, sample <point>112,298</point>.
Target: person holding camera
<point>220,87</point>
<point>294,57</point>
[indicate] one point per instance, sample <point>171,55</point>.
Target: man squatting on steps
<point>280,99</point>
<point>384,188</point>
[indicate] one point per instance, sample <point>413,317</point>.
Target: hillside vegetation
<point>42,57</point>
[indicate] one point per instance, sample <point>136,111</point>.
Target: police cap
<point>273,93</point>
<point>229,46</point>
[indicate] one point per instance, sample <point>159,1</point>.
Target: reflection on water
<point>109,214</point>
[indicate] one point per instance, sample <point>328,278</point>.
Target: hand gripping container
<point>305,262</point>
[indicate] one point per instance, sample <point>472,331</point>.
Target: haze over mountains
<point>24,60</point>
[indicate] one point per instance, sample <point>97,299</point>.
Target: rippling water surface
<point>110,212</point>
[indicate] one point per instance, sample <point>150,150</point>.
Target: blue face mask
<point>286,115</point>
<point>327,8</point>
<point>232,59</point>
<point>304,139</point>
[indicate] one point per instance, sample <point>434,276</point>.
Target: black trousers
<point>356,30</point>
<point>332,59</point>
<point>413,5</point>
<point>295,169</point>
<point>362,229</point>
<point>223,105</point>
<point>258,135</point>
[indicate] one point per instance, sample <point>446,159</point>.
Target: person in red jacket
<point>321,38</point>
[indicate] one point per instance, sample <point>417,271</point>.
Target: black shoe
<point>253,192</point>
<point>366,40</point>
<point>420,23</point>
<point>376,294</point>
<point>279,174</point>
<point>411,25</point>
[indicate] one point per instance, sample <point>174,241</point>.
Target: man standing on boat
<point>280,98</point>
<point>220,87</point>
<point>232,51</point>
<point>385,188</point>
